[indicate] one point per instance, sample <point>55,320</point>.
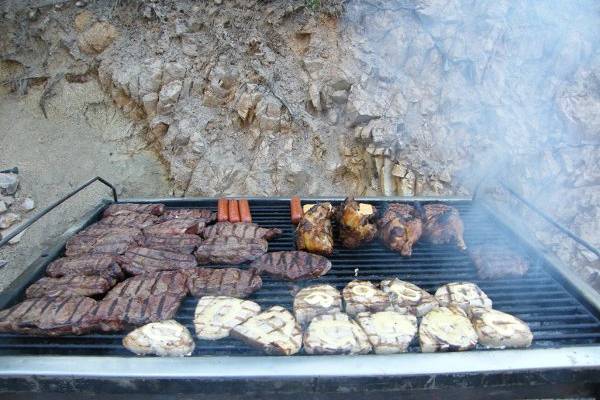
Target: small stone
<point>8,200</point>
<point>8,219</point>
<point>16,239</point>
<point>8,183</point>
<point>3,207</point>
<point>27,204</point>
<point>81,3</point>
<point>97,38</point>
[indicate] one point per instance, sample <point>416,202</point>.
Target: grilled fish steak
<point>178,226</point>
<point>464,295</point>
<point>199,214</point>
<point>142,260</point>
<point>176,243</point>
<point>81,285</point>
<point>243,230</point>
<point>49,316</point>
<point>495,262</point>
<point>335,334</point>
<point>131,220</point>
<point>90,264</point>
<point>109,243</point>
<point>363,296</point>
<point>316,300</point>
<point>274,331</point>
<point>292,265</point>
<point>442,225</point>
<point>223,282</point>
<point>400,228</point>
<point>165,338</point>
<point>389,332</point>
<point>356,225</point>
<point>216,316</point>
<point>230,250</point>
<point>128,208</point>
<point>314,232</point>
<point>407,298</point>
<point>446,329</point>
<point>498,330</point>
<point>152,284</point>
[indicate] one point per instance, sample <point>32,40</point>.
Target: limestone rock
<point>97,38</point>
<point>8,219</point>
<point>3,207</point>
<point>8,183</point>
<point>168,96</point>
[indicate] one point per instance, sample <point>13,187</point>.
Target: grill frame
<point>572,369</point>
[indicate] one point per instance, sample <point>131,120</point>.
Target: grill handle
<point>52,206</point>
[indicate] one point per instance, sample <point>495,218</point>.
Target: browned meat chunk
<point>241,230</point>
<point>177,243</point>
<point>292,265</point>
<point>443,225</point>
<point>178,226</point>
<point>355,222</point>
<point>132,220</point>
<point>114,241</point>
<point>128,208</point>
<point>494,262</point>
<point>146,285</point>
<point>50,316</point>
<point>200,214</point>
<point>232,282</point>
<point>314,232</point>
<point>230,250</point>
<point>142,260</point>
<point>400,227</point>
<point>89,264</point>
<point>98,230</point>
<point>70,286</point>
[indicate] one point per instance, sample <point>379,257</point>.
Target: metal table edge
<point>175,200</point>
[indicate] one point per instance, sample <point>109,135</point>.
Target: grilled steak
<point>335,334</point>
<point>230,250</point>
<point>243,230</point>
<point>355,222</point>
<point>216,316</point>
<point>292,265</point>
<point>115,242</point>
<point>407,298</point>
<point>97,229</point>
<point>463,295</point>
<point>442,225</point>
<point>363,296</point>
<point>223,282</point>
<point>388,331</point>
<point>90,264</point>
<point>314,232</point>
<point>132,220</point>
<point>128,208</point>
<point>121,313</point>
<point>446,329</point>
<point>176,243</point>
<point>316,300</point>
<point>494,262</point>
<point>199,214</point>
<point>275,331</point>
<point>400,227</point>
<point>50,316</point>
<point>152,284</point>
<point>164,338</point>
<point>498,330</point>
<point>178,226</point>
<point>141,260</point>
<point>70,286</point>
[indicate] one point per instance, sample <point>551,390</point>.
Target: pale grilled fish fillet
<point>165,338</point>
<point>316,300</point>
<point>446,329</point>
<point>388,331</point>
<point>215,316</point>
<point>335,334</point>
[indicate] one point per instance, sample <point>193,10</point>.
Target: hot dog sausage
<point>245,215</point>
<point>295,209</point>
<point>222,210</point>
<point>234,211</point>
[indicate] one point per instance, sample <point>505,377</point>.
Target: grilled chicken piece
<point>70,286</point>
<point>230,250</point>
<point>400,227</point>
<point>200,214</point>
<point>89,264</point>
<point>335,334</point>
<point>464,295</point>
<point>275,331</point>
<point>363,296</point>
<point>151,284</point>
<point>442,225</point>
<point>103,239</point>
<point>407,298</point>
<point>316,300</point>
<point>185,243</point>
<point>292,265</point>
<point>446,329</point>
<point>243,230</point>
<point>223,282</point>
<point>498,330</point>
<point>216,316</point>
<point>177,226</point>
<point>388,331</point>
<point>131,220</point>
<point>165,338</point>
<point>141,260</point>
<point>355,222</point>
<point>314,232</point>
<point>495,262</point>
<point>128,208</point>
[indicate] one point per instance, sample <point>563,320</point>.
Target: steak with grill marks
<point>115,242</point>
<point>243,230</point>
<point>495,262</point>
<point>230,250</point>
<point>147,285</point>
<point>70,286</point>
<point>132,220</point>
<point>176,227</point>
<point>232,282</point>
<point>50,316</point>
<point>128,208</point>
<point>142,260</point>
<point>292,265</point>
<point>204,215</point>
<point>89,264</point>
<point>442,225</point>
<point>400,227</point>
<point>176,243</point>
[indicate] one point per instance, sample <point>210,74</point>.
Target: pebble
<point>16,239</point>
<point>27,204</point>
<point>8,219</point>
<point>8,183</point>
<point>3,207</point>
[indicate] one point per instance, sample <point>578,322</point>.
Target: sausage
<point>295,209</point>
<point>234,211</point>
<point>222,210</point>
<point>245,215</point>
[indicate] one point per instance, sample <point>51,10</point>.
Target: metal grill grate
<point>556,317</point>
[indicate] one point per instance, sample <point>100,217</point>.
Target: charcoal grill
<point>562,311</point>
